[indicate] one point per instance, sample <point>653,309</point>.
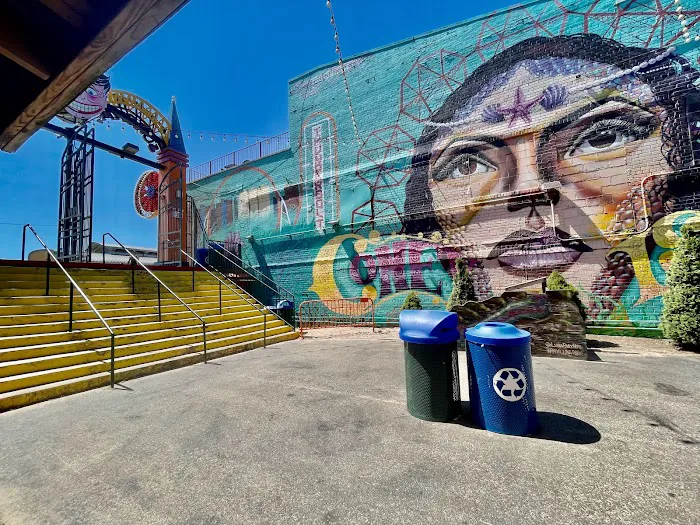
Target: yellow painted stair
<point>41,359</point>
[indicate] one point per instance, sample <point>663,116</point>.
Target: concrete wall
<point>553,135</point>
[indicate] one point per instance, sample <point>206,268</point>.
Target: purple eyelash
<point>554,96</point>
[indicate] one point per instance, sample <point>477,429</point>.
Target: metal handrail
<point>234,263</point>
<point>161,283</point>
<point>216,244</point>
<point>73,286</point>
<point>221,281</point>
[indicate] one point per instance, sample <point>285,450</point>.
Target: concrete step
<point>111,299</point>
<point>28,396</point>
<point>27,372</point>
<point>206,306</point>
<point>95,338</point>
<point>127,322</point>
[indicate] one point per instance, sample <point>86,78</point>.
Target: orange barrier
<point>353,311</point>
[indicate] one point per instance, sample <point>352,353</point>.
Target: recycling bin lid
<point>492,333</point>
<point>428,327</point>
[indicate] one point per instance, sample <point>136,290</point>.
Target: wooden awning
<point>51,50</point>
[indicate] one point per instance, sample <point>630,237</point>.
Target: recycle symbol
<point>510,384</point>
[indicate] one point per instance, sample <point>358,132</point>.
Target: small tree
<point>462,286</point>
<point>680,319</point>
<point>412,302</point>
<point>556,282</point>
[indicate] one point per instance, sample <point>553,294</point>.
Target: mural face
<point>568,142</point>
<point>90,104</point>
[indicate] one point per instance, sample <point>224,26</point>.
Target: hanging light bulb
<point>189,135</point>
<point>332,20</point>
<point>201,136</point>
<point>177,136</point>
<point>122,128</point>
<point>328,3</point>
<point>246,140</point>
<point>235,139</point>
<point>224,138</point>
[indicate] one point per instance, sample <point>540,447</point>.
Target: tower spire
<point>176,140</point>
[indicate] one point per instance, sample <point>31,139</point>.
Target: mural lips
<point>526,250</point>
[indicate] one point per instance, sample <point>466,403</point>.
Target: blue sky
<point>228,64</point>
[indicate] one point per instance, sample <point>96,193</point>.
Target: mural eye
<point>607,135</point>
<point>464,165</point>
<point>91,92</point>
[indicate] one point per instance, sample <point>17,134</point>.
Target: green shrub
<point>412,302</point>
<point>462,286</point>
<point>680,319</point>
<point>556,281</point>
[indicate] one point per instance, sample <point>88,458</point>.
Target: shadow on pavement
<point>567,429</point>
<point>553,427</point>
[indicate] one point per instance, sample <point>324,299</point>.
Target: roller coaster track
<point>141,115</point>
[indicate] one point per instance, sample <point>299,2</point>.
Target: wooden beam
<point>72,11</point>
<point>134,22</point>
<point>13,45</point>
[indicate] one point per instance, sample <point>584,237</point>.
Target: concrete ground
<point>316,431</point>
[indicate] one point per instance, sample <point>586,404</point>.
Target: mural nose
<point>534,220</point>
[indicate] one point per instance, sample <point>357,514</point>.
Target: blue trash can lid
<point>492,333</point>
<point>428,327</point>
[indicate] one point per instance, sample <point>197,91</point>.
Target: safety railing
<point>136,260</point>
<point>255,273</point>
<point>280,301</point>
<point>261,149</point>
<point>73,286</point>
<point>239,294</point>
<point>352,311</point>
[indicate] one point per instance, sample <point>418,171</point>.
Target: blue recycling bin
<point>201,256</point>
<point>501,383</point>
<point>430,356</point>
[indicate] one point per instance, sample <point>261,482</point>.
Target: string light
<point>338,51</point>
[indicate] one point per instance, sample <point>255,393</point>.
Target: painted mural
<point>554,135</point>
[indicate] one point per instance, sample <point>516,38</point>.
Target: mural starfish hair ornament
<point>520,109</point>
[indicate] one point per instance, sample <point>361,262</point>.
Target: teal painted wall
<point>553,135</point>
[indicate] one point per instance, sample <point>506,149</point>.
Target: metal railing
<point>239,294</point>
<point>264,148</point>
<point>273,295</point>
<point>351,311</point>
<point>254,272</point>
<point>73,286</point>
<point>136,260</point>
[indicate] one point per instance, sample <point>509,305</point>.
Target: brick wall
<point>550,136</point>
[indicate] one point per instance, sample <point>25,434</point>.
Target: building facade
<point>554,135</point>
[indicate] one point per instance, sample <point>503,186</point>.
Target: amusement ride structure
<point>160,191</point>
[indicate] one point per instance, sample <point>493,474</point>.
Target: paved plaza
<point>316,431</point>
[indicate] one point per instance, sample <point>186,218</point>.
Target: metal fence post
<point>264,329</point>
<point>204,340</point>
<point>220,308</point>
<point>48,269</point>
<point>133,283</point>
<point>70,314</point>
<point>111,358</point>
<point>160,317</point>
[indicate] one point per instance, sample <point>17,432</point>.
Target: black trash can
<point>430,355</point>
